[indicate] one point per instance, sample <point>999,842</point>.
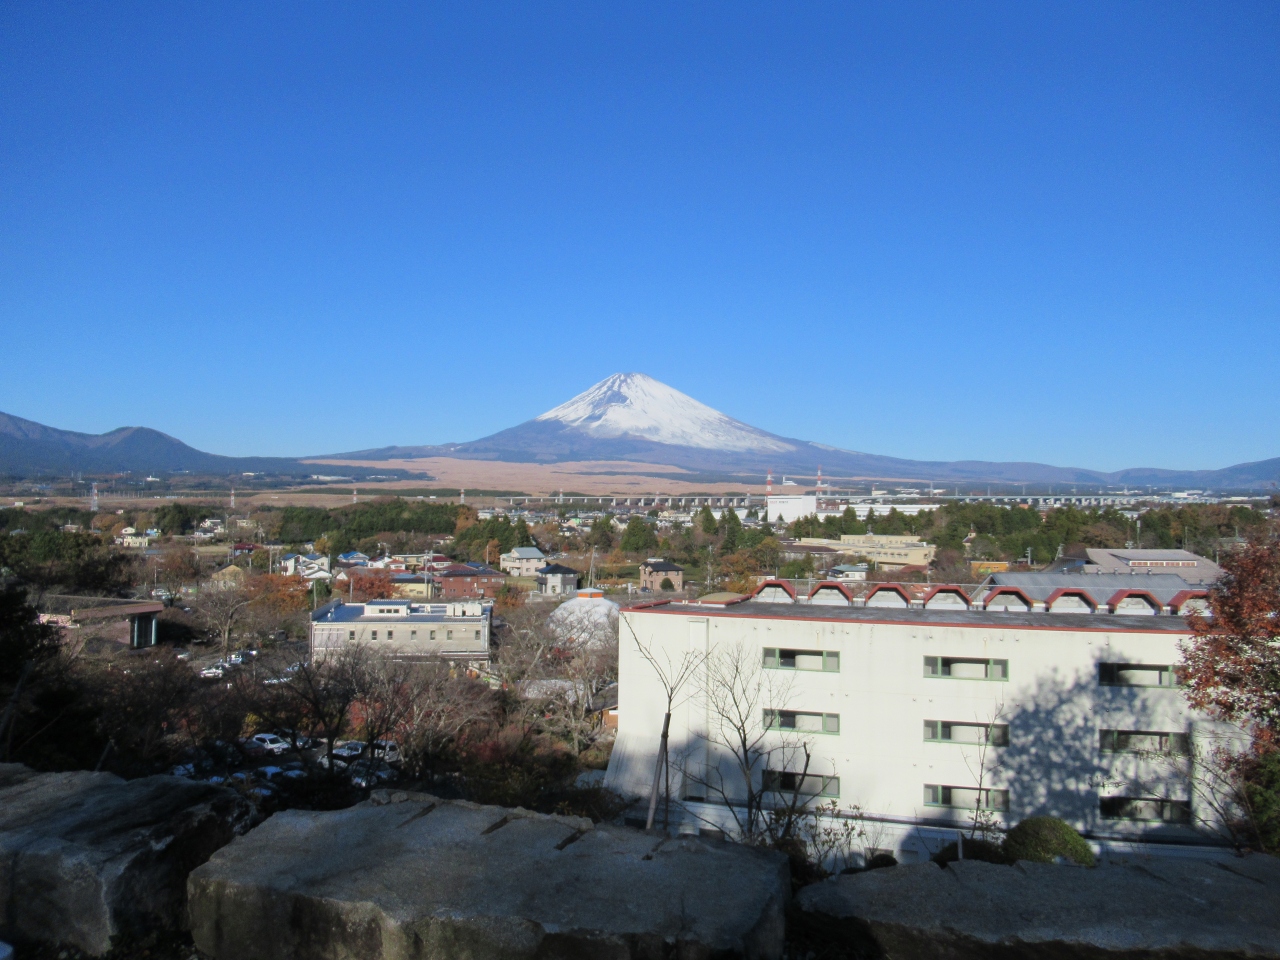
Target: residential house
<point>229,577</point>
<point>464,580</point>
<point>522,561</point>
<point>654,570</point>
<point>556,580</point>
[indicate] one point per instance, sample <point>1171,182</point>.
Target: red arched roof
<point>1008,591</point>
<point>834,584</point>
<point>785,585</point>
<point>897,588</point>
<point>1182,596</point>
<point>1124,594</point>
<point>947,588</point>
<point>1071,592</point>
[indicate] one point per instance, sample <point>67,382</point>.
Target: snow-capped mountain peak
<point>636,405</point>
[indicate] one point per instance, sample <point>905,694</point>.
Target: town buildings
<point>1131,562</point>
<point>456,631</point>
<point>924,713</point>
<point>654,570</point>
<point>889,552</point>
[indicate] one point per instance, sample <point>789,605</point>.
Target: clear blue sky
<point>1026,231</point>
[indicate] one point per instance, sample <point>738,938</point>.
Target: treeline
<point>345,527</point>
<point>1009,532</point>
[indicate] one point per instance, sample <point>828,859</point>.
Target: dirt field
<point>592,477</point>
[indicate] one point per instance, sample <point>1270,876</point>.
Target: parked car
<point>303,741</point>
<point>212,673</point>
<point>270,743</point>
<point>235,659</point>
<point>387,750</point>
<point>343,754</point>
<point>370,773</point>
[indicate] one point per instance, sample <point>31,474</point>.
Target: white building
<point>787,508</point>
<point>917,716</point>
<point>457,631</point>
<point>522,562</point>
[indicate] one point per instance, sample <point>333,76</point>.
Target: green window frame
<point>816,661</point>
<point>1137,675</point>
<point>946,668</point>
<point>965,798</point>
<point>941,731</point>
<point>1145,809</point>
<point>811,784</point>
<point>1144,741</point>
<point>802,721</point>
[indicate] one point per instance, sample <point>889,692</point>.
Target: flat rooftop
<point>1078,622</point>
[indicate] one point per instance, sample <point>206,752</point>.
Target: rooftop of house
<point>658,565</point>
<point>526,553</point>
<point>557,568</point>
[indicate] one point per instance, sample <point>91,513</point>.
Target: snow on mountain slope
<point>635,405</point>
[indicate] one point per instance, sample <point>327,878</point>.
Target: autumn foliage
<point>1231,665</point>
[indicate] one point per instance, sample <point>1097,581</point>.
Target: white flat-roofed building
<point>456,631</point>
<point>918,715</point>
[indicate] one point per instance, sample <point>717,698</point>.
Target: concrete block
<point>410,876</point>
<point>1160,908</point>
<point>85,856</point>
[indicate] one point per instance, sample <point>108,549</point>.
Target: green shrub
<point>974,849</point>
<point>1044,839</point>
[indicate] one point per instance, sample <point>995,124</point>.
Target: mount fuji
<point>633,417</point>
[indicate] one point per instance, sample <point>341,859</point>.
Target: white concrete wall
<point>1052,701</point>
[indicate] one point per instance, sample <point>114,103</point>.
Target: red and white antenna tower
<point>820,483</point>
<point>768,484</point>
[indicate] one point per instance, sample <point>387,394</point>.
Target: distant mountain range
<point>29,449</point>
<point>628,416</point>
<point>631,416</point>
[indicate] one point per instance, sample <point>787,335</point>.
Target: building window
<point>1135,675</point>
<point>965,668</point>
<point>433,636</point>
<point>390,635</point>
<point>413,636</point>
<point>477,636</point>
<point>1146,809</point>
<point>965,798</point>
<point>802,722</point>
<point>351,635</point>
<point>810,785</point>
<point>375,636</point>
<point>951,731</point>
<point>817,660</point>
<point>448,636</point>
<point>1144,741</point>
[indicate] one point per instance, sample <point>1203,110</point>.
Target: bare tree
<point>983,765</point>
<point>320,694</point>
<point>218,611</point>
<point>751,731</point>
<point>450,705</point>
<point>572,709</point>
<point>673,676</point>
<point>387,689</point>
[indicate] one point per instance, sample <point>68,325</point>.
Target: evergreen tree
<point>601,534</point>
<point>731,528</point>
<point>707,520</point>
<point>638,537</point>
<point>523,537</point>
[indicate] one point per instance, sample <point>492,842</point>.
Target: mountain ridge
<point>627,416</point>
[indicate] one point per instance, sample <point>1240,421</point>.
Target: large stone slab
<point>85,856</point>
<point>410,876</point>
<point>1156,908</point>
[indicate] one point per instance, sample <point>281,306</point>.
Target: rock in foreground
<point>85,856</point>
<point>409,876</point>
<point>1159,908</point>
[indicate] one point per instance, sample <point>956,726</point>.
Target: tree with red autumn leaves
<point>1231,665</point>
